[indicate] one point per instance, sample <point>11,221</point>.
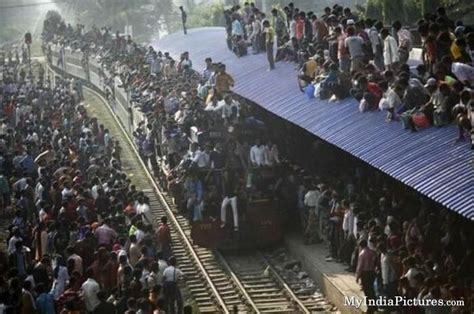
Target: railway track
<point>261,283</point>
<point>217,282</point>
<point>205,280</point>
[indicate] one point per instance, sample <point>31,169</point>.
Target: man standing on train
<point>269,40</point>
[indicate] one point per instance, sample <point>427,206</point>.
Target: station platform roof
<point>430,161</point>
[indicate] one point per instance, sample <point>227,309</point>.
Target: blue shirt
<point>20,263</point>
<point>45,303</point>
<point>198,189</point>
<point>82,211</point>
<point>237,28</point>
<point>28,163</point>
<point>330,79</point>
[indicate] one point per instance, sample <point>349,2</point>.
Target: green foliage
<point>373,10</point>
<point>460,10</point>
<point>53,16</point>
<point>389,10</point>
<point>207,15</point>
<point>408,11</point>
<point>145,16</point>
<point>8,34</point>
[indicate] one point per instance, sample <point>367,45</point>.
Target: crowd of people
<point>82,235</point>
<point>341,55</point>
<point>417,254</point>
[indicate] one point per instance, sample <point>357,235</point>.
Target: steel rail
<point>163,202</point>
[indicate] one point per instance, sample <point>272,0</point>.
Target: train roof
<point>430,161</point>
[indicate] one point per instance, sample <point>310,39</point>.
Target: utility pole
<point>28,41</point>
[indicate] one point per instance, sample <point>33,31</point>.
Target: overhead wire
<point>22,5</point>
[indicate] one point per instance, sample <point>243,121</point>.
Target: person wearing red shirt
<point>71,295</point>
<point>371,94</point>
<point>164,238</point>
<point>299,29</point>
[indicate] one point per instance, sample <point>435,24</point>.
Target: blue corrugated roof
<point>430,161</point>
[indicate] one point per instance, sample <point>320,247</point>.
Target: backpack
<point>420,120</point>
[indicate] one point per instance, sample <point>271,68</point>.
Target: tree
<point>144,15</point>
<point>408,11</point>
<point>207,15</point>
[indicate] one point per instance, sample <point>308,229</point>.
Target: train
<point>261,214</point>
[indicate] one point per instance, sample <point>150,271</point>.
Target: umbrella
<point>62,171</point>
<point>47,156</point>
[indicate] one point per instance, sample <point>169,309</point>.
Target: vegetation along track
<point>243,283</point>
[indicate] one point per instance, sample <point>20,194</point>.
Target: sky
<point>19,16</point>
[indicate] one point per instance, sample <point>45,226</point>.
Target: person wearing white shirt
<point>257,154</point>
<point>156,64</point>
<point>39,189</point>
<point>213,105</point>
<point>13,240</point>
<point>186,63</point>
<point>76,258</point>
<point>311,199</point>
<point>171,276</point>
<point>266,155</point>
<point>140,234</point>
<point>388,271</point>
<point>230,108</point>
<point>271,154</point>
<point>201,158</point>
<point>356,227</point>
<point>391,55</point>
<point>60,281</point>
<point>32,137</point>
<point>89,289</point>
<point>191,153</point>
<point>348,221</point>
<point>410,264</point>
<point>95,190</point>
<point>255,35</point>
<point>464,72</point>
<point>275,154</point>
<point>211,82</point>
<point>107,138</point>
<point>67,191</point>
<point>157,269</point>
<point>144,209</point>
<point>206,74</point>
<point>292,28</point>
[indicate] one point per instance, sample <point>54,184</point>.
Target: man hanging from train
<point>232,186</point>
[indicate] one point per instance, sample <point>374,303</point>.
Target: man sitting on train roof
<point>224,82</point>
